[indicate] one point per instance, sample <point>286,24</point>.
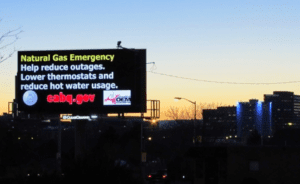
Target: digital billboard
<point>82,81</point>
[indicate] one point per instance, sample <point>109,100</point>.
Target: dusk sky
<point>228,41</point>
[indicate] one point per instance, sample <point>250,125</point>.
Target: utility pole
<point>179,98</point>
<point>195,125</point>
<point>203,127</point>
<point>142,166</point>
<point>141,141</point>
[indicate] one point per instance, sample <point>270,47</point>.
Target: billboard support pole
<point>142,165</point>
<point>76,140</point>
<point>58,156</point>
<point>80,138</point>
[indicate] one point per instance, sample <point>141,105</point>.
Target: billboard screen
<point>82,81</point>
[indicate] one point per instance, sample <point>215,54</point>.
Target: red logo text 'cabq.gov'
<point>79,99</point>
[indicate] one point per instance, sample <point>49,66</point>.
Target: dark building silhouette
<point>280,110</point>
<point>251,116</point>
<point>219,123</point>
<point>285,110</point>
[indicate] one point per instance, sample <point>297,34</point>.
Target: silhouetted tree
<point>6,40</point>
<point>175,113</point>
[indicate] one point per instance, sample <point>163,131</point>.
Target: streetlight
<point>179,98</point>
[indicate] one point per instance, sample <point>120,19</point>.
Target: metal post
<point>75,137</point>
<point>59,149</point>
<point>179,98</point>
<point>203,127</point>
<point>141,143</point>
<point>80,138</point>
<point>159,108</point>
<point>195,125</point>
<point>142,173</point>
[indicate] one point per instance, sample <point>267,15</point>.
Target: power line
<point>222,82</point>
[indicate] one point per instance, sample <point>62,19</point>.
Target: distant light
<point>235,136</point>
<point>94,116</point>
<point>164,137</point>
<point>149,138</point>
<point>230,136</point>
<point>28,174</point>
<point>31,137</point>
<point>19,138</point>
<point>269,136</point>
<point>176,99</point>
<point>226,137</point>
<point>13,127</point>
<point>183,176</point>
<point>38,174</point>
<point>290,124</point>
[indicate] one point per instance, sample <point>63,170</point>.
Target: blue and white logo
<point>30,98</point>
<point>117,97</point>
